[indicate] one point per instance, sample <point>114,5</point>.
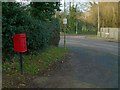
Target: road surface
<point>92,64</point>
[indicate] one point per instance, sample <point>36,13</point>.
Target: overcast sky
<point>80,3</point>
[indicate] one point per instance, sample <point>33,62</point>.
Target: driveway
<point>92,64</point>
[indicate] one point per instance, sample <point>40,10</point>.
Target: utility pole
<point>99,19</point>
<point>64,27</point>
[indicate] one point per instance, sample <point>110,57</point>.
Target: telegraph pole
<point>64,26</point>
<point>99,19</point>
<point>64,23</point>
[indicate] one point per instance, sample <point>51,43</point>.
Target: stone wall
<point>110,33</point>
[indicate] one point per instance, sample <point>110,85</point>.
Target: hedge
<point>40,34</point>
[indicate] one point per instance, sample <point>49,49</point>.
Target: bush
<point>54,33</point>
<point>40,34</point>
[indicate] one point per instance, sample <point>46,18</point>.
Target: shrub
<point>40,34</point>
<point>54,33</point>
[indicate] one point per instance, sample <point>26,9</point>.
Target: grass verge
<point>95,37</point>
<point>33,65</point>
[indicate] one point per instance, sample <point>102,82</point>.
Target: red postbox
<point>20,42</point>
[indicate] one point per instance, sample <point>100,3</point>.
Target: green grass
<point>39,62</point>
<point>95,37</point>
<point>32,65</point>
<point>84,32</point>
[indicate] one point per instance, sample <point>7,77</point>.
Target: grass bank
<point>95,37</point>
<point>32,65</point>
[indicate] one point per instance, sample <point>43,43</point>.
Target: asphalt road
<point>92,64</point>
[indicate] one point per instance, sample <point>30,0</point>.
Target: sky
<point>79,4</point>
